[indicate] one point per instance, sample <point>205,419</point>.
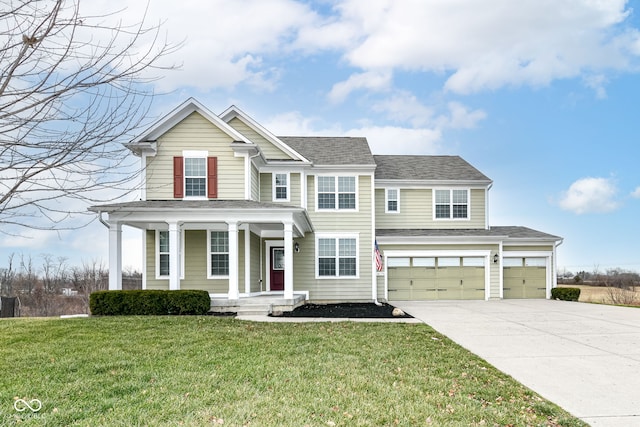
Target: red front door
<point>277,269</point>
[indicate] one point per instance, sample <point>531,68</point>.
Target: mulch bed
<point>345,310</point>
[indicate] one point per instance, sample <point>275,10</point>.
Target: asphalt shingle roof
<point>433,168</point>
<point>190,204</point>
<point>331,150</point>
<point>512,232</point>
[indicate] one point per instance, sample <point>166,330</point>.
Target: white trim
<point>337,192</point>
<point>157,254</point>
<point>234,112</point>
<point>439,254</point>
<point>193,154</point>
<point>182,111</point>
<point>337,236</point>
<point>208,253</point>
<point>247,257</point>
<point>267,259</point>
<point>450,190</point>
<point>273,187</point>
<point>374,270</point>
<point>386,200</point>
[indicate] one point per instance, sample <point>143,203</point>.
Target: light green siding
<point>416,211</point>
<point>266,189</point>
<point>269,150</point>
<point>255,183</point>
<point>358,289</point>
<point>195,133</point>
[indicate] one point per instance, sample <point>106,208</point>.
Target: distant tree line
<point>49,286</point>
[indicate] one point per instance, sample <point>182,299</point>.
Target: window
<point>393,200</point>
<point>337,257</point>
<point>163,253</point>
<point>195,177</point>
<point>451,204</point>
<point>219,253</point>
<point>340,188</point>
<point>281,187</point>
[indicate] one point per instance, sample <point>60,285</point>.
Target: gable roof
<point>178,114</point>
<point>428,168</point>
<point>234,112</point>
<point>323,150</point>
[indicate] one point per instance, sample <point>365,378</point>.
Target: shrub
<point>149,302</point>
<point>565,294</point>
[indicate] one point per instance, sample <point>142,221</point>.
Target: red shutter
<point>212,177</point>
<point>178,177</point>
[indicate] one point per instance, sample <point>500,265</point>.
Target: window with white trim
<point>218,253</point>
<point>392,200</point>
<point>195,176</point>
<point>281,187</point>
<point>337,257</point>
<point>163,253</point>
<point>163,264</point>
<point>336,192</point>
<point>451,204</point>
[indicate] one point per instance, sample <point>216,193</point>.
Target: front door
<point>277,269</point>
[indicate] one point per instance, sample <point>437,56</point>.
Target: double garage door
<point>525,277</point>
<point>436,278</point>
<point>454,278</point>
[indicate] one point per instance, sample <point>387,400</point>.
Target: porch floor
<point>257,305</point>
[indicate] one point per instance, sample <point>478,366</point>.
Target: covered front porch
<point>222,246</point>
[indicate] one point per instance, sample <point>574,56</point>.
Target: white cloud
<point>636,193</point>
<point>371,80</point>
<point>494,43</point>
<point>460,117</point>
<point>590,195</point>
<point>399,140</point>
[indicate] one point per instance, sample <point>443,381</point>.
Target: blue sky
<point>541,96</point>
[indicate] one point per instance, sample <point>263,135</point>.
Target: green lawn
<point>204,371</point>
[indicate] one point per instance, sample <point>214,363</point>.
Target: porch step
<point>259,305</point>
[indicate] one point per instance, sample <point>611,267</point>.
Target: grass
<point>207,371</point>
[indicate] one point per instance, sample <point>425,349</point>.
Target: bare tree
<point>73,87</point>
<point>8,277</point>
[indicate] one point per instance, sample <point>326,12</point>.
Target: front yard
<point>204,371</point>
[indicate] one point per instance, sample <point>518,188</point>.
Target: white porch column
<point>233,260</point>
<point>174,256</point>
<point>247,259</point>
<point>115,256</point>
<point>288,260</point>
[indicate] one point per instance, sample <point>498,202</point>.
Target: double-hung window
<point>195,176</point>
<point>281,187</point>
<point>336,192</point>
<point>163,268</point>
<point>337,257</point>
<point>451,204</point>
<point>392,200</point>
<point>163,253</point>
<point>218,253</point>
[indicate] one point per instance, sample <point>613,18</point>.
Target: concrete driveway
<point>583,357</point>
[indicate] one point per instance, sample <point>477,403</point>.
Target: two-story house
<point>228,207</point>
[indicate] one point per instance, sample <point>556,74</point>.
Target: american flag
<point>376,251</point>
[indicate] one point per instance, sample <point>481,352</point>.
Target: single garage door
<point>436,278</point>
<point>525,277</point>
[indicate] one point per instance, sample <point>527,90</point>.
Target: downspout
<point>374,270</point>
<point>554,279</point>
<point>105,223</point>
